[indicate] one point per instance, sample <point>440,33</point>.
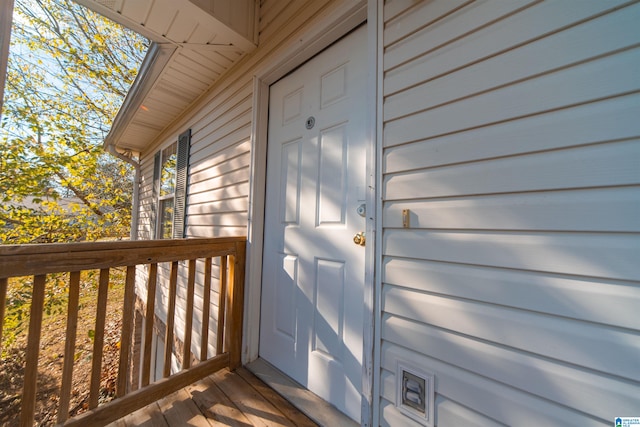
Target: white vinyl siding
<point>217,204</point>
<point>511,133</point>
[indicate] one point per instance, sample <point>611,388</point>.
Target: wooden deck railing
<point>37,261</point>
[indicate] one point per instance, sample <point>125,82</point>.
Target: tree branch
<point>10,220</point>
<point>79,194</point>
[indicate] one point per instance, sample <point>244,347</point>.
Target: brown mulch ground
<point>51,361</point>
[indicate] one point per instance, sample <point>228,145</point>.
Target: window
<point>166,200</point>
<point>170,187</point>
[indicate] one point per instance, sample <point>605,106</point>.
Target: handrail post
<point>236,291</point>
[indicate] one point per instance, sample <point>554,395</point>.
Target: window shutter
<point>154,195</point>
<point>182,166</point>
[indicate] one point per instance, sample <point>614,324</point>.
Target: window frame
<point>178,196</point>
<point>168,196</point>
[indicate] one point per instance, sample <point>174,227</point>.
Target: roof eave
<point>156,59</point>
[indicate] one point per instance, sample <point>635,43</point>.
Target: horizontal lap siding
<point>219,163</point>
<point>511,133</point>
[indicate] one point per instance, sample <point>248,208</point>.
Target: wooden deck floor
<point>223,399</point>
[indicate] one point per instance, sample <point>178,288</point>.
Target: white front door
<point>313,272</point>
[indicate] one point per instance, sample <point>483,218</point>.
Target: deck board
<point>225,398</point>
<point>259,411</point>
<point>291,412</point>
<point>215,405</point>
<point>149,416</point>
<point>179,409</point>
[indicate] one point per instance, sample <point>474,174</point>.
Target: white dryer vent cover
<point>415,395</point>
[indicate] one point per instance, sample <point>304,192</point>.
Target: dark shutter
<point>154,195</point>
<point>182,166</point>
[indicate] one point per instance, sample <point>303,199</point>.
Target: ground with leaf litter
<point>51,360</point>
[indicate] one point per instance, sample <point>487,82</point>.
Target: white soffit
<point>193,44</point>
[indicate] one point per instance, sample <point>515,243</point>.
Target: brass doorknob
<point>359,238</point>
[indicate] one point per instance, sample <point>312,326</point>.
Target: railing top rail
<point>26,260</point>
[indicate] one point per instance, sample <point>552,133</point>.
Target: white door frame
<point>334,23</point>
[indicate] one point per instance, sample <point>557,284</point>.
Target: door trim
<point>334,23</point>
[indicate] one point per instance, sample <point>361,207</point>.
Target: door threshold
<point>319,410</point>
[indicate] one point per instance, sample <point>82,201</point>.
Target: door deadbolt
<point>310,122</point>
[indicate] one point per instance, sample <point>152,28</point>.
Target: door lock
<point>359,238</point>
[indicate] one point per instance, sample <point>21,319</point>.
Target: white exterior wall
<point>219,161</point>
<point>511,133</point>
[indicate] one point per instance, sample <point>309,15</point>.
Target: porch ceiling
<point>194,43</point>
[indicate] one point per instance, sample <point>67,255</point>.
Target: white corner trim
<point>370,357</point>
<point>376,19</point>
<point>255,229</point>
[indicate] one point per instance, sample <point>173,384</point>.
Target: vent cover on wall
<point>415,393</point>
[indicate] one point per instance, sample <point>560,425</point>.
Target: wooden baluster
<point>168,336</point>
<point>127,331</point>
<point>98,338</point>
<point>70,346</point>
<point>236,306</point>
<point>4,284</point>
<point>222,300</point>
<point>33,351</point>
<point>188,321</point>
<point>206,308</point>
<point>148,327</point>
